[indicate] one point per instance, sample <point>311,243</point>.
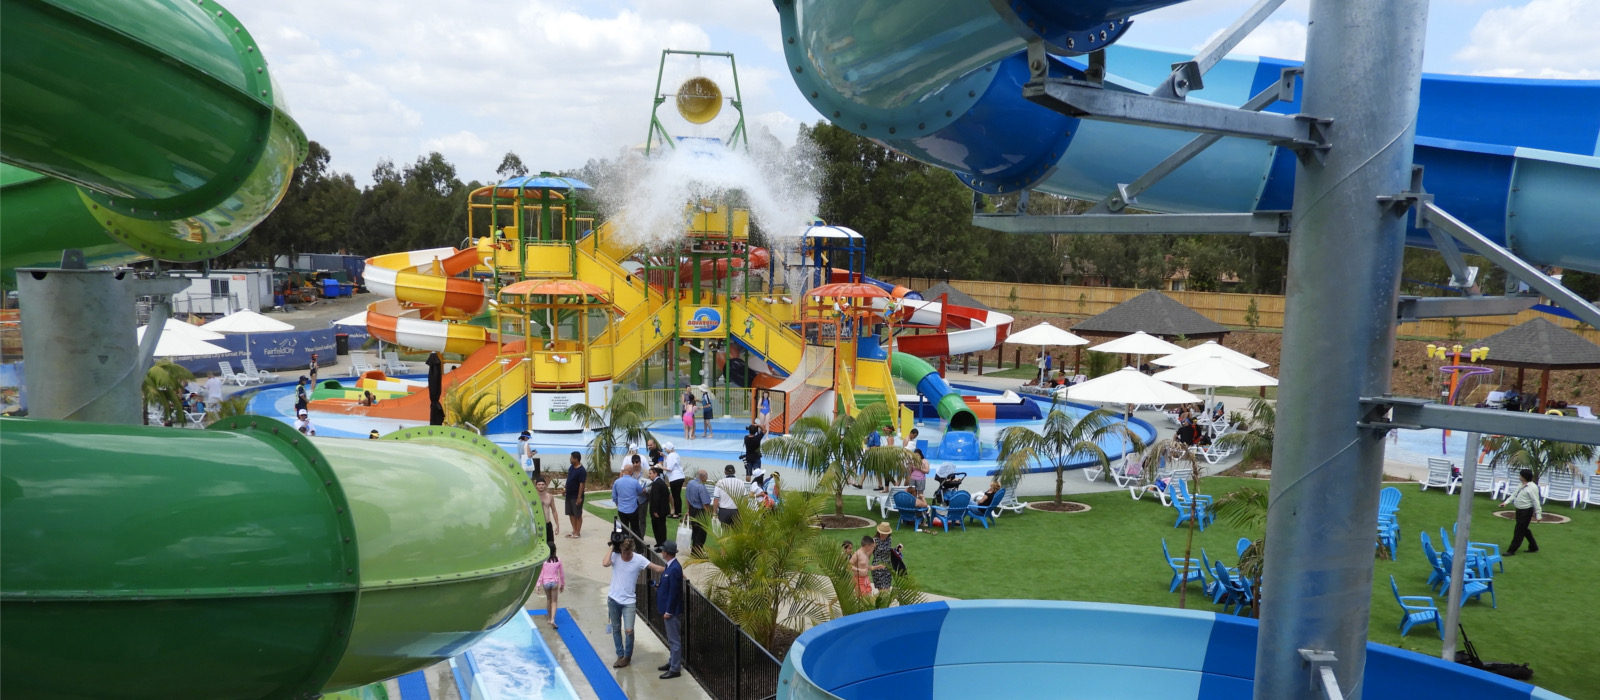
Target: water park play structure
<point>247,560</point>
<point>1036,94</point>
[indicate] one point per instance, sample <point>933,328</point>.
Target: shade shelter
<point>1046,336</point>
<point>247,322</point>
<point>1210,348</point>
<point>1214,371</point>
<point>1542,345</point>
<point>1154,313</point>
<point>187,330</point>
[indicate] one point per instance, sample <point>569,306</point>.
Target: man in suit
<point>660,505</point>
<point>699,501</point>
<point>669,600</point>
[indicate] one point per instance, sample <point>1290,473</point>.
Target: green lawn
<point>1113,554</point>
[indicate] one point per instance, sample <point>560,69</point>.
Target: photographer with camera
<point>752,448</point>
<point>622,599</point>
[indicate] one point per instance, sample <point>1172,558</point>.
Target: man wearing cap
<point>724,496</point>
<point>669,600</point>
<point>301,401</point>
<point>373,435</point>
<point>577,477</point>
<point>628,494</point>
<point>672,468</point>
<point>302,423</point>
<point>699,499</point>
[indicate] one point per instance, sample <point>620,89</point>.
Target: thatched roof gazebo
<point>1154,313</point>
<point>1542,345</point>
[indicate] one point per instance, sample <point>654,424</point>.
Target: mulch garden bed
<point>1549,518</point>
<point>1062,507</point>
<point>844,522</point>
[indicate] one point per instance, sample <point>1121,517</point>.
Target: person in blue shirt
<point>669,600</point>
<point>699,500</point>
<point>626,493</point>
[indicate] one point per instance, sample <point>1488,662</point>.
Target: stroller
<point>948,485</point>
<point>1468,655</point>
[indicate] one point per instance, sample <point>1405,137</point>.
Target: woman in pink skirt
<point>553,581</point>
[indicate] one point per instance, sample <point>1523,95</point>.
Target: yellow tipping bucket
<point>699,100</point>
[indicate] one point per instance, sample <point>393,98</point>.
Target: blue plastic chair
<point>1239,547</point>
<point>906,503</point>
<point>984,514</point>
<point>1183,570</point>
<point>1476,564</point>
<point>1488,550</point>
<point>1236,590</point>
<point>1215,590</point>
<point>956,510</point>
<point>1472,587</point>
<point>1197,507</point>
<point>1415,609</point>
<point>1441,575</point>
<point>1389,533</point>
<point>1389,500</point>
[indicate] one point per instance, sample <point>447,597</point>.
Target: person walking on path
<point>669,600</point>
<point>622,599</point>
<point>1526,500</point>
<point>659,506</point>
<point>706,411</point>
<point>577,478</point>
<point>672,468</point>
<point>699,500</point>
<point>547,503</point>
<point>723,497</point>
<point>883,549</point>
<point>628,495</point>
<point>553,581</point>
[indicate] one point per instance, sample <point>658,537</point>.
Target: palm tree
<point>1246,508</point>
<point>836,567</point>
<point>163,388</point>
<point>1537,455</point>
<point>1063,441</point>
<point>764,566</point>
<point>836,451</point>
<point>625,419</point>
<point>462,408</point>
<point>1255,444</point>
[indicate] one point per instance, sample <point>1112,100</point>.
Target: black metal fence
<point>716,651</point>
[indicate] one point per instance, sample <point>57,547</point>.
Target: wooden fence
<point>1224,308</point>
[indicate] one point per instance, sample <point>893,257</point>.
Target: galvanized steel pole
<point>1363,71</point>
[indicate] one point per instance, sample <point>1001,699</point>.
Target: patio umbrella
<point>1128,385</point>
<point>247,322</point>
<point>1140,343</point>
<point>1046,335</point>
<point>358,318</point>
<point>1205,350</point>
<point>187,330</point>
<point>1215,370</point>
<point>179,345</point>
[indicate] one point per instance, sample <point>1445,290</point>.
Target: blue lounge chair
<point>1488,550</point>
<point>1389,500</point>
<point>1436,580</point>
<point>1235,589</point>
<point>956,510</point>
<point>984,514</point>
<point>1415,609</point>
<point>906,504</point>
<point>1477,559</point>
<point>1183,570</point>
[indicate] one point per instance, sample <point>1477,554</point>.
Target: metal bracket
<point>1385,413</point>
<point>1127,194</point>
<point>1306,135</point>
<point>1431,217</point>
<point>1413,309</point>
<point>1186,76</point>
<point>1266,224</point>
<point>1322,676</point>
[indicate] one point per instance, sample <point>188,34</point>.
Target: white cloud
<point>1277,38</point>
<point>1542,39</point>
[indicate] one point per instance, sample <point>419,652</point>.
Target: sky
<point>562,81</point>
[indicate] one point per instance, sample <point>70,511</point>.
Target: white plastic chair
<point>393,365</point>
<point>1483,479</point>
<point>1093,472</point>
<point>1502,482</point>
<point>197,419</point>
<point>360,364</point>
<point>251,371</point>
<point>1563,486</point>
<point>228,375</point>
<point>1591,494</point>
<point>1129,471</point>
<point>1585,412</point>
<point>1438,475</point>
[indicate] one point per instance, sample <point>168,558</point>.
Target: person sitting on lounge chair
<point>982,499</point>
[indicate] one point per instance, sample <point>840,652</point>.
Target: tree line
<point>917,220</point>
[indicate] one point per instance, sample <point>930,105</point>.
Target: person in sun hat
<point>525,454</point>
<point>882,576</point>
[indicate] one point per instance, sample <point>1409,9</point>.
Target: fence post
<point>738,670</point>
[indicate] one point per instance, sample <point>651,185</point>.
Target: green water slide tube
<point>946,400</point>
<point>248,561</point>
<point>160,115</point>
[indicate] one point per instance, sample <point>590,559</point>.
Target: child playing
<point>553,581</point>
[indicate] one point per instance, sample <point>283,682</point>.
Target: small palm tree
<point>233,406</point>
<point>1063,441</point>
<point>836,567</point>
<point>624,419</point>
<point>1255,444</point>
<point>836,451</point>
<point>1246,508</point>
<point>462,408</point>
<point>163,388</point>
<point>764,565</point>
<point>1537,455</point>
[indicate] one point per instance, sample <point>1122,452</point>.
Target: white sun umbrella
<point>247,322</point>
<point>1129,386</point>
<point>358,318</point>
<point>1208,349</point>
<point>1140,343</point>
<point>188,330</point>
<point>179,345</point>
<point>1215,370</point>
<point>1045,334</point>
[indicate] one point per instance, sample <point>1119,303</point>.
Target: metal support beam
<point>1186,76</point>
<point>1431,217</point>
<point>1129,193</point>
<point>1385,413</point>
<point>1418,308</point>
<point>1261,223</point>
<point>1087,101</point>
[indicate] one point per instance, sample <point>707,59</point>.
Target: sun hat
<point>884,529</point>
<point>669,447</point>
<point>302,412</point>
<point>633,447</point>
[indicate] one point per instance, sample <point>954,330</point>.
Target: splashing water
<point>649,195</point>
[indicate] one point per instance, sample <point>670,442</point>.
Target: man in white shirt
<point>673,465</point>
<point>621,601</point>
<point>214,392</point>
<point>302,423</point>
<point>724,496</point>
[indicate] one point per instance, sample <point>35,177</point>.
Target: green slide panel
<point>248,561</point>
<point>946,401</point>
<point>162,112</point>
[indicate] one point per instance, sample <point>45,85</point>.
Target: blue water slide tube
<point>941,81</point>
